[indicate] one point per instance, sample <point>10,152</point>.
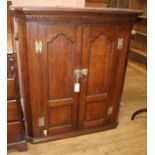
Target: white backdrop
<point>67,3</point>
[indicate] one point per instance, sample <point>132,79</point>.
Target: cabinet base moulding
<point>72,134</point>
<point>20,146</point>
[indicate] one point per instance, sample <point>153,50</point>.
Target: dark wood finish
<point>71,39</point>
<point>57,91</point>
<point>97,87</point>
<point>12,111</point>
<point>138,112</point>
<point>20,146</point>
<point>11,90</point>
<point>72,133</point>
<point>15,122</point>
<point>14,132</point>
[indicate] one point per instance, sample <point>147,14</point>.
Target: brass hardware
<point>41,121</point>
<point>84,71</point>
<point>110,110</point>
<point>45,132</point>
<point>120,43</point>
<point>77,74</point>
<point>38,46</point>
<point>133,32</point>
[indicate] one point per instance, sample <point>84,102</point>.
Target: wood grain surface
<point>128,138</point>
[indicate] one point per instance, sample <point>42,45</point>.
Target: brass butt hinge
<point>45,132</point>
<point>110,110</point>
<point>41,121</point>
<point>120,43</point>
<point>38,46</point>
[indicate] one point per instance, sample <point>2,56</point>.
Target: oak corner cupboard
<point>72,64</point>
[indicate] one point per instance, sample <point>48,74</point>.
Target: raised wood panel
<point>60,116</point>
<point>14,132</point>
<point>99,60</point>
<point>11,88</point>
<point>60,70</point>
<point>95,111</point>
<point>12,111</point>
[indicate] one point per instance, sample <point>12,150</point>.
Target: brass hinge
<point>38,46</point>
<point>120,43</point>
<point>45,132</point>
<point>110,110</point>
<point>41,121</point>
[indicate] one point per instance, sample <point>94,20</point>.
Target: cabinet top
<point>74,15</point>
<point>96,11</point>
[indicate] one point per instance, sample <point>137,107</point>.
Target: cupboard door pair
<point>56,107</point>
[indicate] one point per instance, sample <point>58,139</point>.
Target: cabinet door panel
<point>99,62</point>
<point>60,57</point>
<point>60,67</point>
<point>99,57</point>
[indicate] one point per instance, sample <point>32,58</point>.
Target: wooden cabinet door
<point>60,56</point>
<point>99,57</point>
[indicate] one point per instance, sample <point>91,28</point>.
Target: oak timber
<point>128,138</point>
<point>55,42</point>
